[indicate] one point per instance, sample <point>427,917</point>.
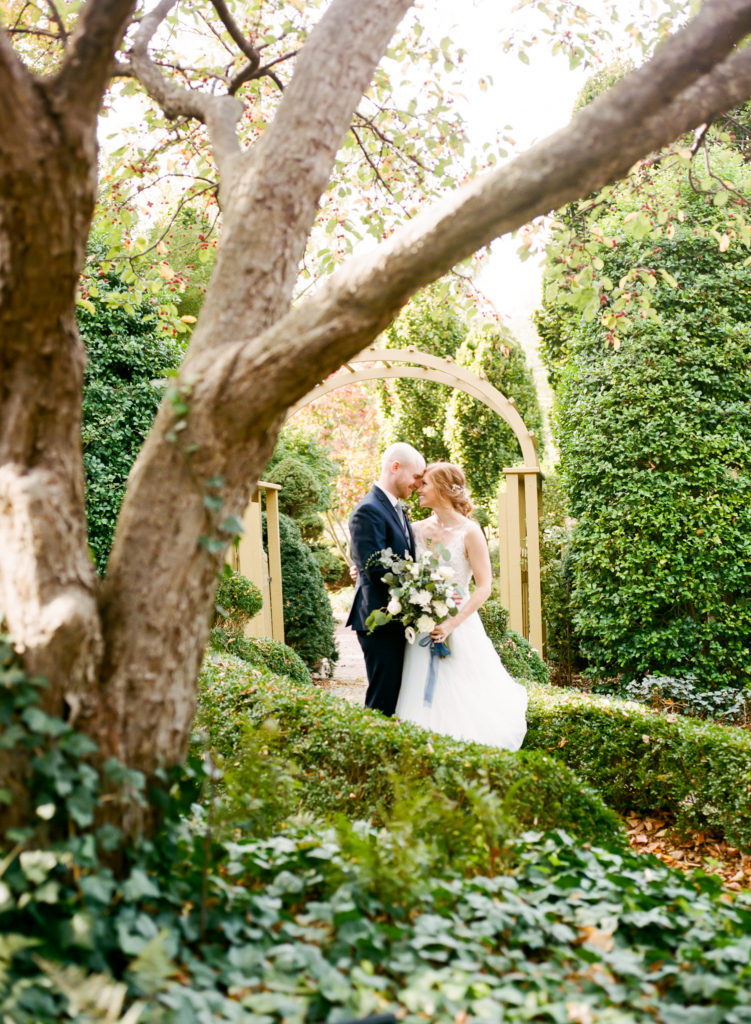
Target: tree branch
<point>55,15</point>
<point>80,84</point>
<point>248,73</point>
<point>220,114</point>
<point>232,27</point>
<point>16,88</point>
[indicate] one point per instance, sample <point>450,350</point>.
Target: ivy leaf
<point>232,525</point>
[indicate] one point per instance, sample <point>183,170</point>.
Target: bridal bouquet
<point>421,592</point>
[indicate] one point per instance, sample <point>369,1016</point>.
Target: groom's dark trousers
<point>374,526</point>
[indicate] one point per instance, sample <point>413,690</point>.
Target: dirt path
<point>349,680</point>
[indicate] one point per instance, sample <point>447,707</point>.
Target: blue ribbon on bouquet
<point>438,649</point>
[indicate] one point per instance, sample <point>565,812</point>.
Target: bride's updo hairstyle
<point>450,482</point>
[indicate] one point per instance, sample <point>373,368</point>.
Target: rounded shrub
<point>334,569</point>
<point>237,600</point>
<point>518,656</point>
<point>301,496</point>
<point>271,654</point>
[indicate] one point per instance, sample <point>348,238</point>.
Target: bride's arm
<point>479,560</point>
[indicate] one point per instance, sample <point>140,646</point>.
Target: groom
<point>379,522</point>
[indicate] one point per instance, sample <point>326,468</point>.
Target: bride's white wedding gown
<point>474,697</point>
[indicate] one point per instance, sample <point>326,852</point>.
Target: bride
<point>474,697</point>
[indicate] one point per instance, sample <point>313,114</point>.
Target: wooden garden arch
<point>518,507</point>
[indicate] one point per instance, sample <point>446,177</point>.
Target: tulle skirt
<point>474,697</point>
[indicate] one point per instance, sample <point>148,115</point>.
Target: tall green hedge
<point>128,360</point>
<point>655,443</point>
<point>654,434</point>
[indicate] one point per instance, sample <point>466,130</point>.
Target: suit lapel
<point>395,517</point>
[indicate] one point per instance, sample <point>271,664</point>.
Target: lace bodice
<point>459,561</point>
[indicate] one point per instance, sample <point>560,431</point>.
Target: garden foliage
<point>128,361</point>
<point>308,921</point>
<point>308,621</point>
<point>654,433</point>
<point>646,761</point>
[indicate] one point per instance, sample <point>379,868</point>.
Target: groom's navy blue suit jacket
<point>373,526</point>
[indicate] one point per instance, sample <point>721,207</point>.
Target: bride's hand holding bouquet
<point>422,595</point>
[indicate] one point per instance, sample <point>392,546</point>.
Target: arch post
<point>519,509</point>
<point>249,558</point>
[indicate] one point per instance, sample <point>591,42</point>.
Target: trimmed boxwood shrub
<point>350,756</point>
<point>271,654</point>
<point>308,621</point>
<point>644,761</point>
<point>237,600</point>
<point>654,429</point>
<point>517,654</point>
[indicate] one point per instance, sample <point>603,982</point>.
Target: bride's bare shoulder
<point>473,533</point>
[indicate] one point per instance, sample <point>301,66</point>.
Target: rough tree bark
<point>252,355</point>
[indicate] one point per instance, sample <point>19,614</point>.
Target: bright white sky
<point>536,99</point>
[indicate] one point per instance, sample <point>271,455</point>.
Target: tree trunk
<point>48,174</point>
<point>160,581</point>
<point>47,580</point>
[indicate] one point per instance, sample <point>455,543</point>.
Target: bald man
<point>379,522</point>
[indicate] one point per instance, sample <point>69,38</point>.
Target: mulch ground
<point>703,850</point>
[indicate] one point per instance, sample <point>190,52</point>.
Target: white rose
<point>450,602</point>
<point>446,572</point>
<point>441,609</point>
<point>421,597</point>
<point>425,624</point>
<point>394,606</point>
<point>414,569</point>
<point>410,635</point>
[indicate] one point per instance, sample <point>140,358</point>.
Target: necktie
<point>403,516</point>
